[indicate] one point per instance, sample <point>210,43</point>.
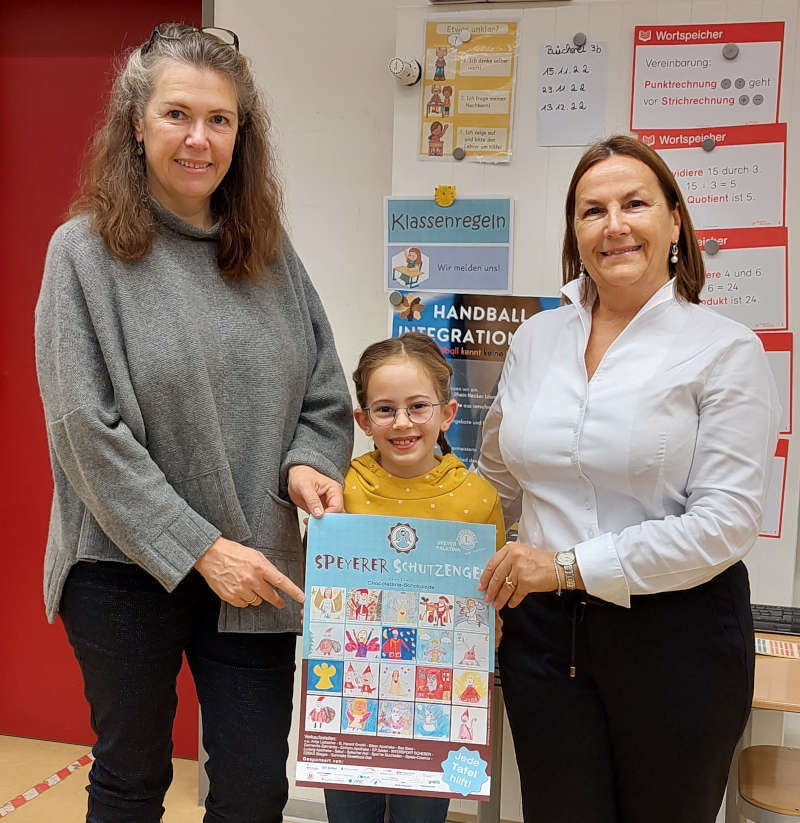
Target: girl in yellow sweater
<point>406,406</point>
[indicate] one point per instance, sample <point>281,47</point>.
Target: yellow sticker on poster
<point>468,89</point>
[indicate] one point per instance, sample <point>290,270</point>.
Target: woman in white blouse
<point>631,437</point>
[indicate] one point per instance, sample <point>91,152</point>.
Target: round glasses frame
<point>418,413</point>
<point>213,30</point>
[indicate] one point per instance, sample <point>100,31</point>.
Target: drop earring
<point>673,254</point>
<point>581,270</point>
<point>139,148</point>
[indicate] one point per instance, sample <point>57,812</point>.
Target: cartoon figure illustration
<point>320,714</point>
<point>468,658</point>
<point>350,679</point>
<point>395,718</point>
<point>436,138</point>
<point>324,673</point>
<point>397,646</point>
<point>361,643</point>
<point>466,729</point>
<point>447,93</point>
<point>410,273</point>
<point>328,645</point>
<point>357,714</point>
<point>472,614</point>
<point>327,603</point>
<point>366,681</point>
<point>398,607</point>
<point>442,611</point>
<point>363,605</point>
<point>469,694</point>
<point>395,686</point>
<point>440,64</point>
<point>434,684</point>
<point>431,720</point>
<point>434,104</point>
<point>471,649</point>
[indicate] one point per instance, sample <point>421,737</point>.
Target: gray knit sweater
<point>176,400</point>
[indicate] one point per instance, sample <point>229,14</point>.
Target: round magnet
<point>725,83</point>
<point>712,246</point>
<point>758,99</point>
<point>708,144</point>
<point>739,83</point>
<point>454,40</point>
<point>459,153</point>
<point>744,99</point>
<point>465,35</point>
<point>395,298</point>
<point>730,51</point>
<point>579,39</point>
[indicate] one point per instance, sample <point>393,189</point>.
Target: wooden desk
<point>777,687</point>
<point>777,682</point>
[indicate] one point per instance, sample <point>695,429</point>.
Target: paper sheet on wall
<point>465,247</point>
<point>747,277</point>
<point>776,488</point>
<point>398,657</point>
<point>740,183</point>
<point>681,78</point>
<point>779,348</point>
<point>468,84</point>
<point>572,94</point>
<point>474,333</point>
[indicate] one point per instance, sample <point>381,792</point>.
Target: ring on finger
<point>510,583</point>
<point>251,602</point>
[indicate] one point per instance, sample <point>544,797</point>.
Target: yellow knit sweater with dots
<point>446,492</point>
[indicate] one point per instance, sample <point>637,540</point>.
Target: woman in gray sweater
<point>193,398</point>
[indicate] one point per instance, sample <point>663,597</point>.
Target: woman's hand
<point>528,568</point>
<point>243,577</point>
<point>314,492</point>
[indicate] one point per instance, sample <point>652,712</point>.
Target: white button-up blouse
<point>654,470</point>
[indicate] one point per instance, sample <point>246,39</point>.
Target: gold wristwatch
<point>566,560</point>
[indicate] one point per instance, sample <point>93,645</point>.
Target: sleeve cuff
<point>307,457</point>
<point>175,551</point>
<point>601,570</point>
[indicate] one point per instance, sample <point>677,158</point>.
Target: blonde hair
<point>248,203</point>
<point>412,346</point>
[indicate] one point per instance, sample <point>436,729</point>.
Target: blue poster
<point>398,657</point>
<point>465,247</point>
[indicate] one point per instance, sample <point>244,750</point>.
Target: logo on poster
<point>467,539</point>
<point>645,36</point>
<point>403,538</point>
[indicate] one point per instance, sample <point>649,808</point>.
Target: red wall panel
<point>56,63</point>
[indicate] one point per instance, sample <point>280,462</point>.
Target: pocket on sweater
<point>277,527</point>
<point>213,496</point>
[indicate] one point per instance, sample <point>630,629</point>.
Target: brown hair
<point>248,203</point>
<point>689,272</point>
<point>412,346</point>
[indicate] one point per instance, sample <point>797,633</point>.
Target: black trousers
<point>645,731</point>
<point>129,636</point>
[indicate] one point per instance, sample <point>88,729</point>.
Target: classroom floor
<point>25,763</point>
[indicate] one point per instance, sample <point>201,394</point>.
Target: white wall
<point>336,111</point>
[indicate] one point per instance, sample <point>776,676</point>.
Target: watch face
<point>565,558</point>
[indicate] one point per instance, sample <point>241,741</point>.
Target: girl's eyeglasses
<point>225,36</point>
<point>383,415</point>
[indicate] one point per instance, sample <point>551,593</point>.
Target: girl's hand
<point>243,577</point>
<point>314,492</point>
<point>528,568</point>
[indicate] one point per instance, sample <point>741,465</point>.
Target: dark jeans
<point>370,807</point>
<point>129,636</point>
<point>646,729</point>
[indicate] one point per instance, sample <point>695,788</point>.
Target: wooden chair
<point>769,784</point>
